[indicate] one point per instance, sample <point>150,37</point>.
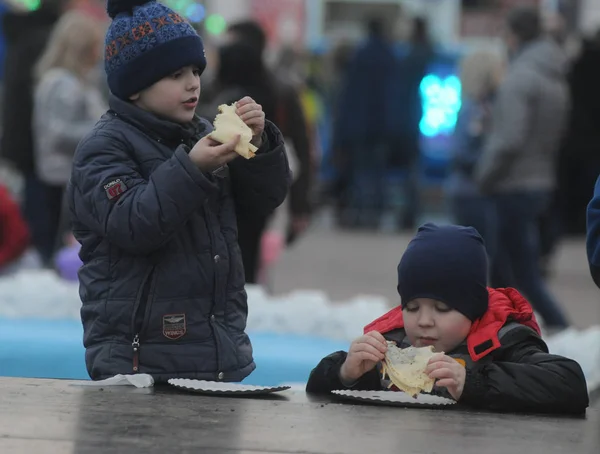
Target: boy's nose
<point>425,319</point>
<point>193,83</point>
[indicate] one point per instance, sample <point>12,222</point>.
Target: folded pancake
<point>227,125</point>
<point>405,368</point>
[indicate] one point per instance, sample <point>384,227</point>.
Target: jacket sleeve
<point>524,377</point>
<point>326,376</point>
<point>593,234</point>
<point>261,184</point>
<point>147,212</point>
<point>510,123</point>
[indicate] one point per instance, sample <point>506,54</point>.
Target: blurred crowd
<point>523,157</point>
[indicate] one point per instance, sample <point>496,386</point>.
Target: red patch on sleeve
<point>115,189</point>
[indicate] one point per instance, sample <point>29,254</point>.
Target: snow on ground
<point>41,294</point>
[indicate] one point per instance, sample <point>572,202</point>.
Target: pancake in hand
<point>227,125</point>
<point>405,368</point>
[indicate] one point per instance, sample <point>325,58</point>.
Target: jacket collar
<point>505,305</point>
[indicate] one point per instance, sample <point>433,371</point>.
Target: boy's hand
<point>209,155</point>
<point>448,373</point>
<point>252,114</point>
<point>363,355</point>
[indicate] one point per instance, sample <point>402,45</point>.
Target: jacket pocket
<point>141,308</point>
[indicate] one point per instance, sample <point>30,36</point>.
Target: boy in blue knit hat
<point>490,352</point>
<point>154,203</point>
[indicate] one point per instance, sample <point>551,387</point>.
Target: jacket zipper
<point>136,328</point>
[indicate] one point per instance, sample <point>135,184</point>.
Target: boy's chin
<point>179,117</point>
<point>183,118</point>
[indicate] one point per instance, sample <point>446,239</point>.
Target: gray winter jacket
<point>162,281</point>
<point>529,118</point>
<point>65,110</point>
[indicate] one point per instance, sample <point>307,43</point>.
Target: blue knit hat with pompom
<point>146,42</point>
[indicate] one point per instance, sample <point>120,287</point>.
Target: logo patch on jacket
<point>174,326</point>
<point>115,189</point>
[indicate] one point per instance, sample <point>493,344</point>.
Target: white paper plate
<point>223,389</point>
<point>395,398</point>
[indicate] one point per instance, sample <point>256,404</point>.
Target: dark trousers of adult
<point>518,240</point>
<point>480,213</point>
<point>42,208</point>
<point>367,191</point>
<point>250,232</point>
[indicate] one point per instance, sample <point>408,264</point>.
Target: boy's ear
<point>134,97</point>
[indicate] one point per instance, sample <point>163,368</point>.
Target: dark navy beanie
<point>146,42</point>
<point>449,264</point>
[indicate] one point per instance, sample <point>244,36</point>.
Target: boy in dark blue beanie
<point>155,202</point>
<point>490,353</point>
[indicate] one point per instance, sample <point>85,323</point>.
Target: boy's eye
<point>412,307</point>
<point>176,75</point>
<point>442,308</point>
<point>196,72</point>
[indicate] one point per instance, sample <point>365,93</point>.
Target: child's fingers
<point>245,100</point>
<point>228,146</point>
<point>446,382</point>
<point>255,122</point>
<point>440,373</point>
<point>247,108</point>
<point>254,115</point>
<point>366,356</point>
<point>375,342</point>
<point>434,366</point>
<point>208,140</point>
<point>437,358</point>
<point>364,347</point>
<point>378,337</point>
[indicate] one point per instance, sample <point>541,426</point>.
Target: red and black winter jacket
<point>508,364</point>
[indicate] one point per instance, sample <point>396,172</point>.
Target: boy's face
<point>174,97</point>
<point>431,322</point>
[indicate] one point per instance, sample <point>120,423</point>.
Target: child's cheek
<point>408,328</point>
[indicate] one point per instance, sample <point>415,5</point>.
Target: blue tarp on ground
<point>53,349</point>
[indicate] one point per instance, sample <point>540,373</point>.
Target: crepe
<point>406,368</point>
<point>227,125</point>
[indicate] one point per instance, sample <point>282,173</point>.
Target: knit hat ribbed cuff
<point>155,64</point>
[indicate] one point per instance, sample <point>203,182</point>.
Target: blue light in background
<point>190,9</point>
<point>195,12</point>
<point>441,98</point>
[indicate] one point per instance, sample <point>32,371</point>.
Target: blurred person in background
<point>407,114</point>
<point>26,35</point>
<point>67,105</point>
<point>281,104</point>
<point>300,70</point>
<point>518,165</point>
<point>480,75</point>
<point>579,161</point>
<point>339,60</point>
<point>364,126</point>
